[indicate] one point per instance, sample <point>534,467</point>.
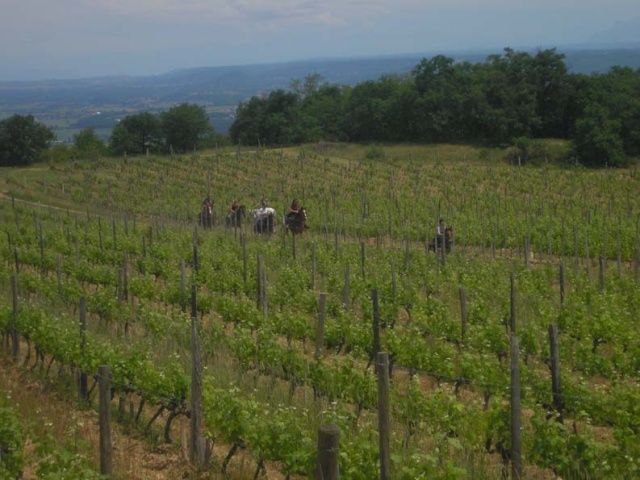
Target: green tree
<point>438,83</point>
<point>597,142</point>
<point>185,127</point>
<point>323,113</point>
<point>245,129</point>
<point>367,109</point>
<point>511,106</point>
<point>88,143</point>
<point>555,94</point>
<point>23,140</point>
<point>282,123</point>
<point>135,134</point>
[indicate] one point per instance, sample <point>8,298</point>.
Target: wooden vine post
<point>328,467</point>
<point>382,364</point>
<point>313,267</point>
<point>106,447</point>
<point>183,287</point>
<point>376,325</point>
<point>259,280</point>
<point>244,259</point>
<point>463,313</point>
<point>516,421</point>
<point>196,444</point>
<point>14,319</point>
<point>345,291</point>
<point>555,370</point>
<point>322,315</point>
<point>196,262</point>
<point>82,380</point>
<point>562,285</point>
<point>512,318</point>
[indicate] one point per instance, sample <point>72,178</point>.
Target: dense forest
<point>512,98</point>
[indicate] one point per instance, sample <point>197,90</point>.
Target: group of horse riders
<point>296,211</point>
<point>295,220</point>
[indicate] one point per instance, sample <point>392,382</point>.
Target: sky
<point>44,39</point>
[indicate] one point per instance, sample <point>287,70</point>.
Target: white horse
<point>263,219</point>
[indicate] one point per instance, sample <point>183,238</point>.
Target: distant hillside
<point>69,105</point>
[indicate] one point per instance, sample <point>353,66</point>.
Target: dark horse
<point>205,217</point>
<point>296,222</point>
<point>234,218</point>
<point>448,241</point>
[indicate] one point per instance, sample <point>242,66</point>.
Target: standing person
<point>207,203</point>
<point>295,206</point>
<point>234,206</point>
<point>263,202</point>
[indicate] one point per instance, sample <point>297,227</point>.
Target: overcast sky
<point>84,38</point>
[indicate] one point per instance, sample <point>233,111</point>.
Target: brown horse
<point>234,217</point>
<point>206,216</point>
<point>436,242</point>
<point>296,222</point>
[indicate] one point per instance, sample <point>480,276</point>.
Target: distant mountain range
<point>69,105</point>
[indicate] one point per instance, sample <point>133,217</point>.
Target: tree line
<point>514,98</point>
<point>180,129</point>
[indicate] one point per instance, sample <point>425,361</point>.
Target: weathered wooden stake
<point>14,319</point>
<point>259,280</point>
<point>328,453</point>
<point>345,291</point>
<point>463,312</point>
<point>516,421</point>
<point>106,448</point>
<point>376,324</point>
<point>197,450</point>
<point>555,370</point>
<point>313,267</point>
<point>265,305</point>
<point>562,286</point>
<point>59,274</point>
<point>512,318</point>
<point>394,285</point>
<point>382,364</point>
<point>322,315</point>
<point>244,260</point>
<point>82,379</point>
<point>601,273</point>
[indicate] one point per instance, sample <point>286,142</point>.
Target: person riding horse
<point>443,239</point>
<point>440,228</point>
<point>206,213</point>
<point>236,212</point>
<point>296,218</point>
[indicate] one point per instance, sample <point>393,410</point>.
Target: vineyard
<point>104,264</point>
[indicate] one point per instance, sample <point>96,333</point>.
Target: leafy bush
<point>597,142</point>
<point>374,152</point>
<point>11,444</point>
